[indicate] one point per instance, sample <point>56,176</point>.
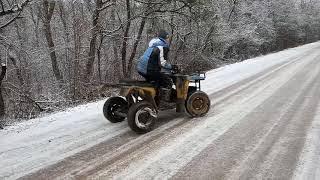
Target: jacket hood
<point>158,42</point>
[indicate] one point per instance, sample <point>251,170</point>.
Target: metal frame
<point>197,78</point>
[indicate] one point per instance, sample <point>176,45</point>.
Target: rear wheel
<point>142,117</point>
<point>114,109</point>
<point>197,104</point>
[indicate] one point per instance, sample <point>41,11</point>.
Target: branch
<point>176,11</point>
<point>22,94</point>
<point>14,9</point>
<point>147,15</point>
<point>11,21</point>
<point>49,9</point>
<point>2,6</point>
<point>232,10</point>
<point>105,7</point>
<point>153,3</point>
<point>113,31</point>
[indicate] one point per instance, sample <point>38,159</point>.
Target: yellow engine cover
<point>182,89</point>
<point>142,91</point>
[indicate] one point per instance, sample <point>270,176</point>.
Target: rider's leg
<point>143,75</point>
<point>165,86</point>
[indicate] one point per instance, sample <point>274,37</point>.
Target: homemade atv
<point>139,101</point>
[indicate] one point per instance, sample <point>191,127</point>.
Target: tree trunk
<point>77,50</point>
<point>67,41</point>
<point>99,57</point>
<point>2,106</point>
<point>125,39</point>
<point>94,34</point>
<point>48,9</point>
<point>135,45</point>
<point>117,64</point>
<point>35,20</point>
<point>64,18</point>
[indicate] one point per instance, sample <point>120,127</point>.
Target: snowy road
<point>264,124</point>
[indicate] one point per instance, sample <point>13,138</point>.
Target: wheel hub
<point>198,104</point>
<point>114,108</point>
<point>144,117</point>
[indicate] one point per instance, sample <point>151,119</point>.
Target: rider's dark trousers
<point>158,79</point>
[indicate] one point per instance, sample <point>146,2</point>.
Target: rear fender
<point>133,93</point>
<point>146,91</point>
<point>148,94</point>
<point>125,91</point>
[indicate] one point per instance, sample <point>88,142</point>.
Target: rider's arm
<point>163,56</point>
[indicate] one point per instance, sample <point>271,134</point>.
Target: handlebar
<point>177,71</point>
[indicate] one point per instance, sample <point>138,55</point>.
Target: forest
<point>59,53</point>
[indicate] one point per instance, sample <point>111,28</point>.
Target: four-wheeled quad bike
<point>138,101</point>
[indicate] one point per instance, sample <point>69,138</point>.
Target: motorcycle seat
<point>133,82</point>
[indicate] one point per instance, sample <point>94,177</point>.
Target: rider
<point>153,64</point>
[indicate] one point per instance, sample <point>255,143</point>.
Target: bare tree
<point>125,38</point>
<point>100,6</point>
<point>14,9</point>
<point>47,13</point>
<point>2,107</point>
<point>99,41</point>
<point>115,41</point>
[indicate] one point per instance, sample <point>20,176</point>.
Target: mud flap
<point>182,85</point>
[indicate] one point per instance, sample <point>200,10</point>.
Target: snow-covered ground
<point>309,166</point>
<point>29,146</point>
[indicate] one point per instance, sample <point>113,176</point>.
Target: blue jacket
<point>155,57</point>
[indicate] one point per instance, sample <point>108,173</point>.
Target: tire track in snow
<point>308,165</point>
<point>282,162</point>
<point>56,150</point>
<point>182,123</point>
<point>144,145</point>
<point>190,124</point>
<point>275,154</point>
<point>236,150</point>
<point>166,161</point>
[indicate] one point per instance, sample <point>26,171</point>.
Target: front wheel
<point>142,117</point>
<point>197,104</point>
